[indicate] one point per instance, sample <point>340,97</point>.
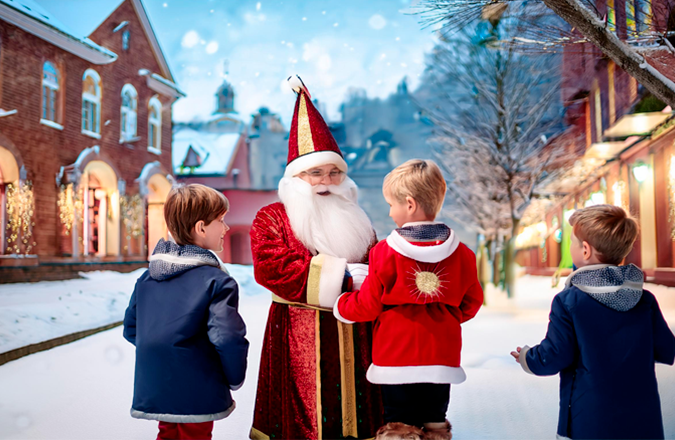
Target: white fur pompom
<point>296,84</point>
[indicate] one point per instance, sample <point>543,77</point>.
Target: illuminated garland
<point>619,189</point>
<point>133,213</point>
<point>671,197</point>
<point>20,210</point>
<point>70,204</point>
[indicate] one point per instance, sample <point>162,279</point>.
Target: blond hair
<point>187,204</point>
<point>609,229</point>
<point>420,179</point>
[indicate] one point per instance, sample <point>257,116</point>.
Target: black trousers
<point>416,403</point>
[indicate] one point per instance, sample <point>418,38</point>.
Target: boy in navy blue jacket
<point>190,340</point>
<point>604,336</point>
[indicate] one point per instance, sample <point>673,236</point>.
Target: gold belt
<point>279,300</point>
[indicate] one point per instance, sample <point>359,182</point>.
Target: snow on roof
<point>233,116</point>
<point>216,150</point>
<point>168,83</point>
<point>32,9</point>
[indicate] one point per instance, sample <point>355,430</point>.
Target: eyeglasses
<point>317,176</point>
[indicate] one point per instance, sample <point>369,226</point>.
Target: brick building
<point>626,141</point>
<point>85,133</point>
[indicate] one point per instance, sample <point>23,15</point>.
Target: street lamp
<point>641,172</point>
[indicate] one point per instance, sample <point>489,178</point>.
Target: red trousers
<point>185,431</point>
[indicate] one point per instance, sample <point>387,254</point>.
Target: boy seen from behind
<point>604,336</point>
<point>421,285</point>
<point>183,319</point>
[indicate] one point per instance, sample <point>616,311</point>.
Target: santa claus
<point>312,381</point>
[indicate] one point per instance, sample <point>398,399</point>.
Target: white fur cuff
<point>336,312</point>
<point>522,359</point>
<point>324,283</point>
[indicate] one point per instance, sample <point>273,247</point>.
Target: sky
<point>332,44</point>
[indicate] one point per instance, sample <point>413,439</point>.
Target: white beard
<point>333,224</point>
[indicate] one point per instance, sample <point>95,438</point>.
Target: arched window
<point>155,125</point>
<point>128,112</point>
<point>631,27</point>
<point>643,15</point>
<point>91,103</point>
<point>50,92</point>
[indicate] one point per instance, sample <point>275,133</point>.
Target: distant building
<point>268,149</point>
<point>85,142</point>
<point>222,152</point>
<point>378,135</point>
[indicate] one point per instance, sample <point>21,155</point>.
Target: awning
<point>636,124</point>
<point>609,150</point>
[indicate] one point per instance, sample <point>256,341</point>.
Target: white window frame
<point>155,143</point>
<point>94,100</point>
<point>51,98</point>
<point>128,115</point>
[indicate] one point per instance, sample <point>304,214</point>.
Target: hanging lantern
<point>641,172</point>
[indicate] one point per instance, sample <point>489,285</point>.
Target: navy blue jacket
<point>604,336</point>
<point>190,340</point>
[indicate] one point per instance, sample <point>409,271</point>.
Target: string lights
<point>70,204</point>
<point>133,213</point>
<point>619,189</point>
<point>671,197</point>
<point>20,211</point>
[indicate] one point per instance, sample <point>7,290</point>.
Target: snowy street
<point>83,390</point>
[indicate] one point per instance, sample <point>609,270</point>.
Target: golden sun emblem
<point>427,282</point>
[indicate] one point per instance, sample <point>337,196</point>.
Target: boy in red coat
<point>422,284</point>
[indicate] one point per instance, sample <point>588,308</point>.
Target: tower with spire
<point>225,93</point>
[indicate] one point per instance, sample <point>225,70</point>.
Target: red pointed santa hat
<point>311,144</point>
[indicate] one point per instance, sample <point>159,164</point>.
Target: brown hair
<point>420,179</point>
<point>609,229</point>
<point>187,204</point>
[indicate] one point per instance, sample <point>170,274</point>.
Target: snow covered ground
<point>83,390</point>
<point>36,312</point>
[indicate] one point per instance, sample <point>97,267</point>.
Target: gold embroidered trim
<point>305,142</point>
<point>258,435</point>
<point>317,337</point>
<point>348,387</point>
<point>313,279</point>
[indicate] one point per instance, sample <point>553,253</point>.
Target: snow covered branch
<point>495,112</point>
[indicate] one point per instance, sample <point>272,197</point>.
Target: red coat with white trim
<point>418,296</point>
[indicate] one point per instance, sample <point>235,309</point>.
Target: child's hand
<point>516,354</point>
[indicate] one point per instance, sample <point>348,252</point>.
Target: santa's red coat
<point>287,404</point>
<point>419,296</point>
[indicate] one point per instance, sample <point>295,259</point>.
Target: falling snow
<point>190,39</point>
<point>212,47</point>
<point>377,22</point>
